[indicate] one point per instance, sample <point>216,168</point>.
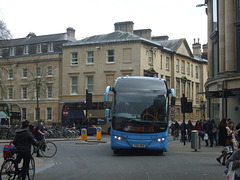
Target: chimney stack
<point>71,32</point>
<point>31,34</point>
<point>126,26</point>
<point>196,48</point>
<point>145,33</point>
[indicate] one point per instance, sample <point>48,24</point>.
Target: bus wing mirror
<point>172,92</point>
<point>108,88</point>
<point>105,97</point>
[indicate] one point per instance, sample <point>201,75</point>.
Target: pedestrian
<point>209,129</point>
<point>183,131</point>
<point>238,135</point>
<point>214,132</point>
<point>189,129</point>
<point>23,141</point>
<point>198,127</point>
<point>235,159</point>
<point>204,129</point>
<point>232,134</point>
<point>40,134</point>
<point>172,128</point>
<point>176,130</point>
<point>222,139</point>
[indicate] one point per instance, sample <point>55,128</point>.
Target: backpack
<point>8,150</point>
<point>35,131</point>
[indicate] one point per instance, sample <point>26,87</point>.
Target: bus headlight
<point>119,138</point>
<point>160,139</point>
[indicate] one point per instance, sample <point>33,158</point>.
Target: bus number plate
<point>139,145</point>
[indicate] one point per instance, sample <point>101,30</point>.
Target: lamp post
<point>38,84</point>
<point>201,5</point>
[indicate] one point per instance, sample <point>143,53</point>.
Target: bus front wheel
<point>116,151</point>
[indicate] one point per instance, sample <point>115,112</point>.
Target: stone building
<point>53,69</point>
<point>30,72</point>
<point>95,62</point>
<point>223,84</point>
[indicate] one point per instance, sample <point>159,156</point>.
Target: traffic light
<point>88,100</point>
<point>183,104</point>
<point>186,107</point>
<point>172,101</point>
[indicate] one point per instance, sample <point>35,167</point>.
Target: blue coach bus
<point>140,113</point>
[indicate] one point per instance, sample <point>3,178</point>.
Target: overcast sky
<point>175,18</point>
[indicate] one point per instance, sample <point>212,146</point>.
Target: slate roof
<point>35,40</point>
<point>121,36</point>
<point>200,59</point>
<point>117,36</point>
<point>175,44</point>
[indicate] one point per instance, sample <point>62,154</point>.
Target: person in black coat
<point>23,141</point>
<point>222,139</point>
<point>209,131</point>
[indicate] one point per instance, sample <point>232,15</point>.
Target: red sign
<point>65,112</point>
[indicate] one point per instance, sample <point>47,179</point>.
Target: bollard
<point>99,133</point>
<point>84,134</point>
<point>195,140</point>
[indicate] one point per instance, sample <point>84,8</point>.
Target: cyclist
<point>40,134</point>
<point>23,141</point>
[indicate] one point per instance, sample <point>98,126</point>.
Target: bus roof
<point>138,83</point>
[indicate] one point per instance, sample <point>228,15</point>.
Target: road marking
<point>57,162</point>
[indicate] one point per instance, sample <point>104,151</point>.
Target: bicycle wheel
<point>31,171</point>
<point>34,149</point>
<point>8,170</point>
<point>48,149</point>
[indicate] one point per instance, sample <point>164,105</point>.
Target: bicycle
<point>47,148</point>
<point>10,169</point>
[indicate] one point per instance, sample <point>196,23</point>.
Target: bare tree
<point>4,32</point>
<point>3,83</point>
<point>5,80</point>
<point>40,79</point>
<point>4,35</point>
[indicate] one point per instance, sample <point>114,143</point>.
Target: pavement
<point>43,163</point>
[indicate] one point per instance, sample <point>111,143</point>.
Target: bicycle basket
<point>8,151</point>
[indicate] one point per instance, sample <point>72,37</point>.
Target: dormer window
<point>150,57</point>
<point>1,52</point>
<point>26,49</point>
<point>39,48</point>
<point>12,51</point>
<point>50,47</point>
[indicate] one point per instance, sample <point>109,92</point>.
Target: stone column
<point>210,60</point>
<point>221,35</point>
<point>230,64</point>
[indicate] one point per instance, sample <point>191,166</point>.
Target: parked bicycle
<point>47,148</point>
<point>12,169</point>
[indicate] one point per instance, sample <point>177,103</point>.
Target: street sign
<point>65,112</point>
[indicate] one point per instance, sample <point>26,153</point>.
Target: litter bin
<point>195,140</point>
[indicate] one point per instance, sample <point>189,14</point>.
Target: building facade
<point>95,62</point>
<point>223,84</point>
<point>30,74</point>
<point>43,72</point>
